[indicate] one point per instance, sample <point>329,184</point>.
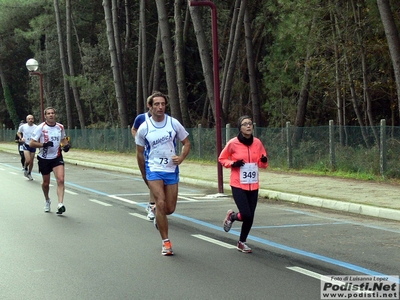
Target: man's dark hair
<point>156,94</point>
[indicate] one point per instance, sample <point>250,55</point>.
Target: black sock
<point>234,217</point>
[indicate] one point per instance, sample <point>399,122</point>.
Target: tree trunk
<point>251,65</point>
<point>231,62</point>
<point>339,103</point>
<point>168,60</point>
<point>10,105</point>
<point>121,101</point>
<point>63,64</point>
<point>141,81</point>
<point>180,64</point>
<point>360,41</point>
<point>75,91</point>
<point>205,58</point>
<point>234,22</point>
<point>353,97</point>
<point>304,92</point>
<point>140,105</point>
<point>127,25</point>
<point>118,47</point>
<point>354,100</point>
<point>156,68</point>
<point>143,47</point>
<point>393,39</point>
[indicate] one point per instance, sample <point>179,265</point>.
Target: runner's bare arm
<point>141,160</point>
<point>178,159</point>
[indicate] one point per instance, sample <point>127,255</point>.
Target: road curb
<point>353,208</point>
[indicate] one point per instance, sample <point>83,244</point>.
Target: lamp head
<point>32,65</point>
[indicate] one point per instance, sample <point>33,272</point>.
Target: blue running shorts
<point>168,178</point>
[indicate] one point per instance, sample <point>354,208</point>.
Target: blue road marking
<point>290,249</point>
<point>256,239</point>
<point>300,225</point>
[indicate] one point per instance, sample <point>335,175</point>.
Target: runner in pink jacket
<point>244,154</point>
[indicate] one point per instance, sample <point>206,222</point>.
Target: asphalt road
<point>104,248</point>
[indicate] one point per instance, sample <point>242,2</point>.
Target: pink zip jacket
<point>235,150</point>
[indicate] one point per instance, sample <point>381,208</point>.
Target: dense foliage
<point>313,61</point>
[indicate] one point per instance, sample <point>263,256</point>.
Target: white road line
<point>13,173</point>
<point>319,276</point>
<point>71,192</point>
<point>137,194</point>
<point>100,202</point>
<point>214,241</point>
<point>139,216</point>
<point>199,201</point>
<point>309,273</point>
<point>122,199</point>
<point>186,198</point>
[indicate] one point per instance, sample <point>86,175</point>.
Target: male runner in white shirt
<point>24,133</point>
<point>48,136</point>
<point>158,161</point>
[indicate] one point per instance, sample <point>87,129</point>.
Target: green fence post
<point>332,154</point>
<point>105,139</point>
<point>199,139</point>
<point>289,146</point>
<point>129,137</point>
<point>382,148</point>
<point>227,133</point>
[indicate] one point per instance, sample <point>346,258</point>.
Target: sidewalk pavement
<point>369,198</point>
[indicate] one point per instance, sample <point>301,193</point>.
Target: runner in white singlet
<point>158,161</point>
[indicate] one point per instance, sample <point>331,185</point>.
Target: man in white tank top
<point>158,161</point>
<point>48,136</point>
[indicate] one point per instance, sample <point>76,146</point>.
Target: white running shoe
<point>241,246</point>
<point>47,205</point>
<point>150,213</point>
<point>26,173</point>
<point>30,176</point>
<point>60,209</point>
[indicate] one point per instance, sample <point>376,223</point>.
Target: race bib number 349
<point>249,173</point>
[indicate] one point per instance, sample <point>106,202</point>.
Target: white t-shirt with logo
<point>46,133</point>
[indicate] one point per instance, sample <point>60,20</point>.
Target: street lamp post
<point>32,65</point>
<point>216,84</point>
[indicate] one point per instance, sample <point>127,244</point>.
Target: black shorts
<point>46,165</point>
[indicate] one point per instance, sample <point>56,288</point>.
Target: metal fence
<point>367,150</point>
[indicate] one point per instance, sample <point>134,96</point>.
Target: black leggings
<point>246,202</point>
